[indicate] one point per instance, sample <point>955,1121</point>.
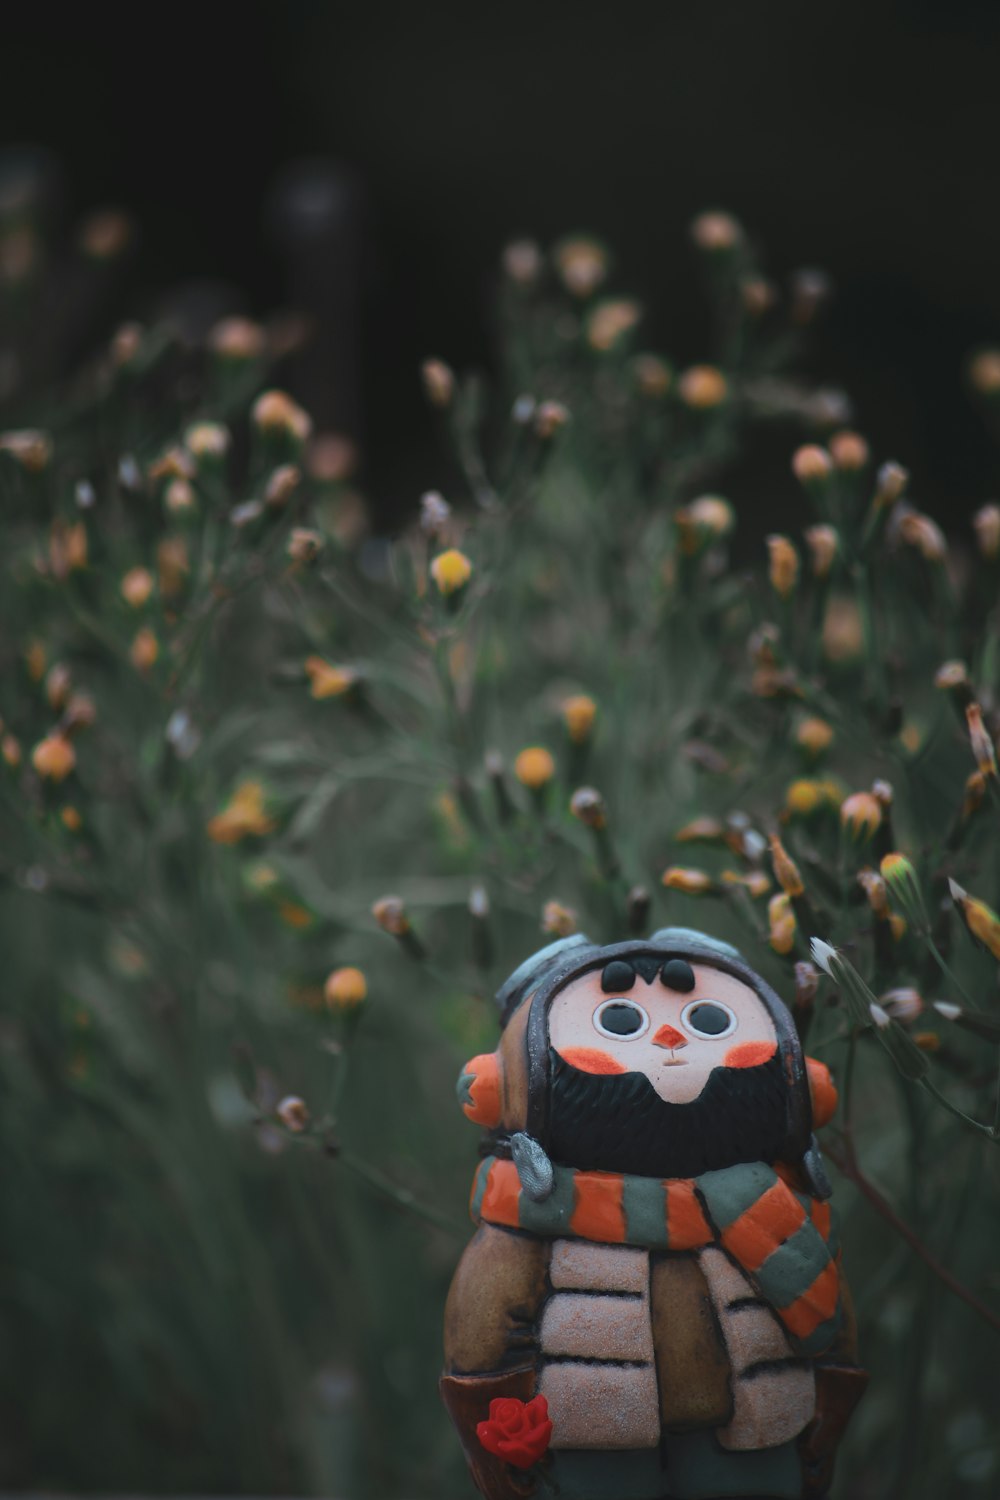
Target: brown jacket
<point>705,1331</point>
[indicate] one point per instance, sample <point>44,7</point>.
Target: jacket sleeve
<point>491,1344</point>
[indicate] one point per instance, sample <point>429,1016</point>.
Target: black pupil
<point>708,1019</point>
<point>623,1019</point>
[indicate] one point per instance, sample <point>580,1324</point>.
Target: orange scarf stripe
<point>599,1209</point>
<point>821,1216</point>
<point>764,1226</point>
<point>501,1201</point>
<point>816,1305</point>
<point>687,1227</point>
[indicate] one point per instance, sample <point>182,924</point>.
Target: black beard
<point>618,1122</point>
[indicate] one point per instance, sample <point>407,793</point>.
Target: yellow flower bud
<point>813,735</point>
<point>784,565</point>
<point>811,464</point>
<point>610,321</point>
<point>144,650</point>
<point>781,923</point>
<point>786,871</point>
<point>345,988</point>
<point>579,713</point>
<point>276,412</point>
<point>703,387</point>
<point>534,767</point>
<point>451,571</point>
<point>326,680</point>
<point>692,882</point>
<point>849,451</point>
<point>53,758</point>
<point>136,587</point>
<point>981,920</point>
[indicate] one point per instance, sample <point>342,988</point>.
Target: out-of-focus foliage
<point>282,803</point>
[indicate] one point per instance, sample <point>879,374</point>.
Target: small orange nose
<point>669,1036</point>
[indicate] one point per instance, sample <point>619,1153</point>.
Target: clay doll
<point>652,1304</point>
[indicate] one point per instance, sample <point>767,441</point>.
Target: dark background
<point>862,138</point>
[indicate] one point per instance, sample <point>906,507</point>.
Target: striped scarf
<point>782,1239</point>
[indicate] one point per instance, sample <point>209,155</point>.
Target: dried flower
<point>653,375</point>
<point>981,920</point>
<point>861,815</point>
<point>179,497</point>
<point>890,483</point>
<point>144,650</point>
<point>783,565</point>
<point>104,235</point>
<point>849,451</point>
<point>919,531</point>
<point>275,412</point>
<point>806,985</point>
<point>331,458</point>
<point>843,630</point>
<point>979,739</point>
<point>587,805</point>
<point>435,513</point>
<point>813,735</point>
<point>904,1004</point>
<point>582,264</point>
<point>53,757</point>
<point>703,387</point>
<point>304,545</point>
<point>579,713</point>
<point>243,816</point>
<point>716,231</point>
<point>438,382</point>
<point>691,882</point>
<point>281,485</point>
<point>328,681</point>
<point>136,587</point>
<point>451,571</point>
<point>534,767</point>
<point>522,262</point>
<point>390,914</point>
<point>558,920</point>
<point>707,519</point>
<point>173,565</point>
<point>36,660</point>
<point>57,685</point>
<point>126,345</point>
<point>10,749</point>
<point>984,372</point>
<point>987,526</point>
<point>875,892</point>
<point>824,544</point>
<point>550,418</point>
<point>951,675</point>
<point>237,339</point>
<point>29,448</point>
<point>781,923</point>
<point>345,989</point>
<point>610,321</point>
<point>175,463</point>
<point>207,440</point>
<point>293,1114</point>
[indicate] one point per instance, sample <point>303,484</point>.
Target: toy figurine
<point>652,1304</point>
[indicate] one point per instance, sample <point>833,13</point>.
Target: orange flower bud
<point>703,387</point>
<point>786,871</point>
<point>534,767</point>
<point>781,923</point>
<point>784,565</point>
<point>53,758</point>
<point>692,882</point>
<point>861,814</point>
<point>345,989</point>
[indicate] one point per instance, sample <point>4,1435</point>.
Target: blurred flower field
<point>284,799</point>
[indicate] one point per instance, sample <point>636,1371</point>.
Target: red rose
<point>517,1431</point>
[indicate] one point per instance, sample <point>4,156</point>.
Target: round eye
<point>709,1018</point>
<point>622,1019</point>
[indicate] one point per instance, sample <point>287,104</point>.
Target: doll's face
<point>676,1029</point>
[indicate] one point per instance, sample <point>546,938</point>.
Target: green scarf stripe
<point>463,1088</point>
<point>645,1203</point>
<point>822,1337</point>
<point>792,1268</point>
<point>731,1191</point>
<point>479,1187</point>
<point>553,1215</point>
